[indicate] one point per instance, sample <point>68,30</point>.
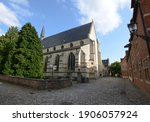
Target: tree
<point>21,52</point>
<point>28,58</point>
<point>11,38</point>
<point>115,68</point>
<point>2,44</point>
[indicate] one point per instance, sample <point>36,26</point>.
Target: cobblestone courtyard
<point>104,91</point>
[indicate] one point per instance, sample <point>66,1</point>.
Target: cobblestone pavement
<point>104,91</point>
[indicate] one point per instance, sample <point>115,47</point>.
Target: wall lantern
<point>132,27</point>
<point>133,30</point>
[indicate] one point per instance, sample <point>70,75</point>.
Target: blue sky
<point>110,16</point>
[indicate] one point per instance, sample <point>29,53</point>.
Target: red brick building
<point>124,68</point>
<point>138,57</point>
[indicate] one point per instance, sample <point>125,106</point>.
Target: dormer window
<point>63,41</point>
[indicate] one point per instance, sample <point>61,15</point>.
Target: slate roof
<point>74,34</point>
<point>105,62</point>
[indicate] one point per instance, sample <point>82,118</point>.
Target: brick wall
<point>124,69</point>
<point>144,86</point>
<point>139,60</point>
<point>146,10</point>
<point>36,83</point>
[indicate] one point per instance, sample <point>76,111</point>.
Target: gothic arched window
<point>71,62</point>
<point>45,65</point>
<point>57,62</point>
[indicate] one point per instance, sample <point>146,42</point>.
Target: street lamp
<point>132,27</point>
<point>133,30</point>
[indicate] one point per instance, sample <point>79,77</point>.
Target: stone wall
<point>37,83</point>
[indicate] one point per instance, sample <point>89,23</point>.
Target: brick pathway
<point>104,91</point>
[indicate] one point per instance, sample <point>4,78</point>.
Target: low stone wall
<point>37,83</point>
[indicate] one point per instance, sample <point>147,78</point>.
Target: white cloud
<point>7,16</point>
<point>104,13</point>
<point>21,7</point>
<point>1,32</point>
<point>11,14</point>
<point>21,11</point>
<point>20,2</point>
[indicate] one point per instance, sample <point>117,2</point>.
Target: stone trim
<point>148,29</point>
<point>62,50</point>
<point>148,14</point>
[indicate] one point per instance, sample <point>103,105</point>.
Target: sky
<point>110,18</point>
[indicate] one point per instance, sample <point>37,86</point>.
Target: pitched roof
<point>74,34</point>
<point>105,62</point>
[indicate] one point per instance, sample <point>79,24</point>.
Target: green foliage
<point>11,37</point>
<point>28,58</point>
<point>21,53</point>
<point>115,68</point>
<point>2,45</point>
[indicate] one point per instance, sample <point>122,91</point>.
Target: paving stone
<point>104,91</point>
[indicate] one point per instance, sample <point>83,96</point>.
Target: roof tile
<point>74,34</point>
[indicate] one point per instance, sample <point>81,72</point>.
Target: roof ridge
<point>69,29</point>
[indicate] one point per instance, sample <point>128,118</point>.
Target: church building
<point>71,52</point>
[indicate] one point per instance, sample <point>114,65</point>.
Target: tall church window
<point>57,62</point>
<point>45,65</point>
<point>82,58</point>
<point>71,62</point>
